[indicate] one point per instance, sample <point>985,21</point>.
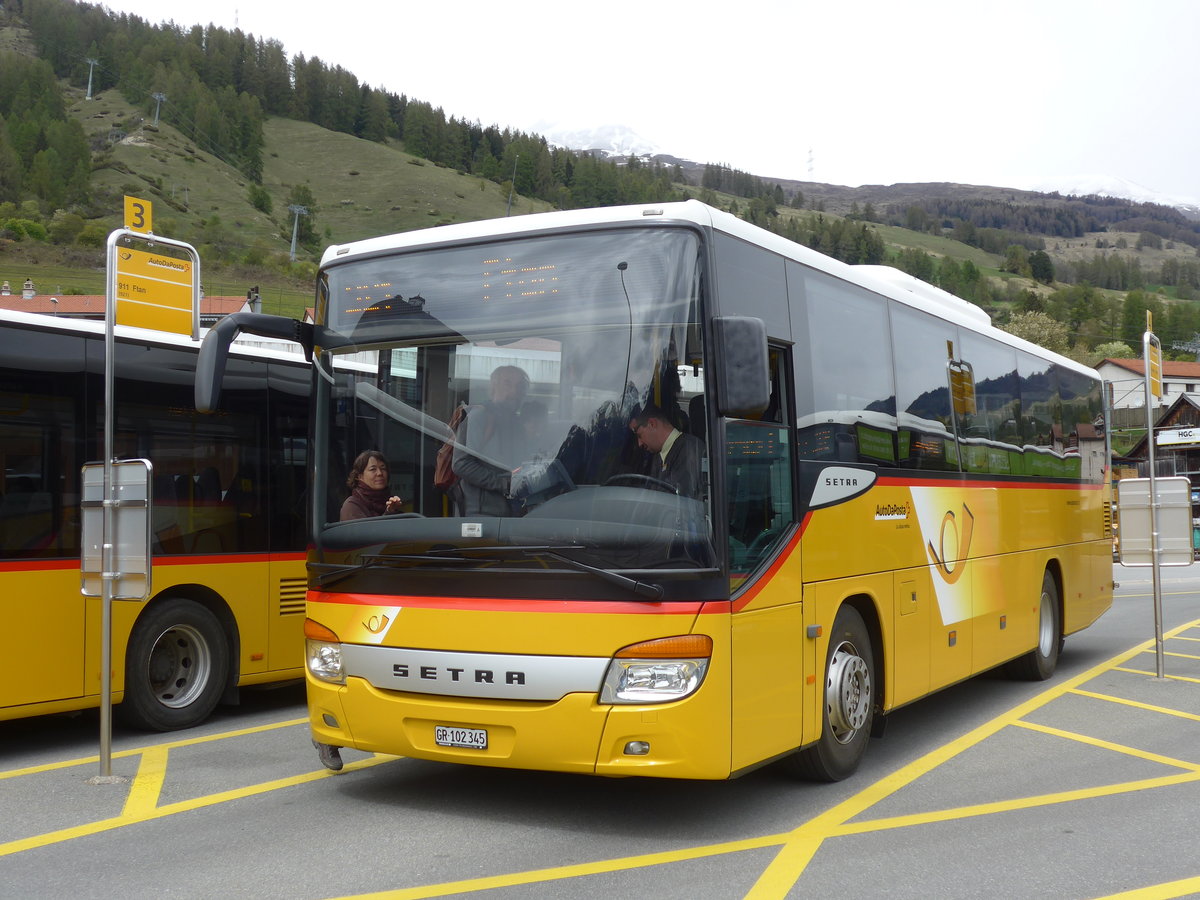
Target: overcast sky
<point>1020,93</point>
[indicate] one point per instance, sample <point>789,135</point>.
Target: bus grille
<point>1108,519</point>
<point>291,596</point>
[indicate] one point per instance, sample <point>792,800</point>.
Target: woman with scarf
<point>368,483</point>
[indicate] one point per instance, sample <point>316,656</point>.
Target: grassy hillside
<point>365,189</point>
<point>361,189</point>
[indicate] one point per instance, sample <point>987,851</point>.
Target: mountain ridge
<point>616,141</point>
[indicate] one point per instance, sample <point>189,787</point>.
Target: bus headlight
<point>323,653</point>
<point>657,671</point>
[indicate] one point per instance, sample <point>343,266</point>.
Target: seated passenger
<point>368,483</point>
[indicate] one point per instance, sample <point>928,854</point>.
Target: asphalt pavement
<point>1084,786</point>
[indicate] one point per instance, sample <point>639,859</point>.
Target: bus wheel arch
<point>180,660</point>
<point>1040,662</point>
<point>850,696</point>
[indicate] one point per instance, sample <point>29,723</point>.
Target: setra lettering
<point>841,482</point>
<point>433,673</point>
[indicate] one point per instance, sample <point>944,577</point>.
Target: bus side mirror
<point>210,363</point>
<point>743,373</point>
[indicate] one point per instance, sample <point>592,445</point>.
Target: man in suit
<point>675,456</point>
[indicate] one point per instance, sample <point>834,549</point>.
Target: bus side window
<point>38,472</point>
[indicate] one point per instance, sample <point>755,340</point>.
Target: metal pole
<point>107,561</point>
<point>512,185</point>
<point>297,211</point>
<point>1149,340</point>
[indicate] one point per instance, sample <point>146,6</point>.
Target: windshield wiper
<point>550,551</point>
<point>641,588</point>
<point>484,549</point>
<point>535,551</point>
<point>373,561</point>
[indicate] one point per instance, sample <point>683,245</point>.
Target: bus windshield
<point>572,368</point>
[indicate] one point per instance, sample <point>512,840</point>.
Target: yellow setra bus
<point>227,525</point>
<point>719,500</point>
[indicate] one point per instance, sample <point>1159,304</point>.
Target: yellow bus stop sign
<point>155,291</point>
<point>1155,364</point>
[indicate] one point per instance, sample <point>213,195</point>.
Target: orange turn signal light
<point>683,646</point>
<point>315,631</point>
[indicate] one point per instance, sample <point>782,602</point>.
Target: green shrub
<point>260,198</point>
<point>65,227</point>
<point>92,236</point>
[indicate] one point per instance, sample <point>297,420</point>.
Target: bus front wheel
<point>1040,662</point>
<point>175,667</point>
<point>849,702</point>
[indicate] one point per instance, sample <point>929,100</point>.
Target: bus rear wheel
<point>849,702</point>
<point>1040,662</point>
<point>175,667</point>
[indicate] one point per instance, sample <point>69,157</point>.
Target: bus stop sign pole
<point>1152,364</point>
<point>150,289</point>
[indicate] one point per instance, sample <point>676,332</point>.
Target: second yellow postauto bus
<point>719,500</point>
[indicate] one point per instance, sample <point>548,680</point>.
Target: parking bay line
<point>799,846</point>
<point>785,870</point>
<point>144,814</point>
<point>122,754</point>
<point>141,804</point>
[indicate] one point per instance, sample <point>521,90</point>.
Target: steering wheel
<point>646,481</point>
<point>760,543</point>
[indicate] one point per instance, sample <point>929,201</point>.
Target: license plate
<point>449,736</point>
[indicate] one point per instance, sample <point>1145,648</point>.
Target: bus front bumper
<point>574,734</point>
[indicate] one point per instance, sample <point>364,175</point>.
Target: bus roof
<point>95,327</point>
<point>885,280</point>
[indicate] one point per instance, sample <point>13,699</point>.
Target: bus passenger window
<point>845,400</point>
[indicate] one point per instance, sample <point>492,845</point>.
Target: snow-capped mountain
<point>621,141</point>
<point>612,140</point>
<point>1110,186</point>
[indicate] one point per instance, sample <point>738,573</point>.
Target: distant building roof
<point>1171,369</point>
<point>91,306</point>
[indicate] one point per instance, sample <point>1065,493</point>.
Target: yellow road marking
<point>1109,745</point>
<point>796,847</point>
<point>147,784</point>
<point>1167,676</point>
<point>161,812</point>
<point>1146,706</point>
<point>785,870</point>
<point>183,742</point>
<point>1185,888</point>
<point>559,873</point>
<point>1001,806</point>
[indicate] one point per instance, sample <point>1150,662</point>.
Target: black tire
<point>176,666</point>
<point>849,708</point>
<point>1040,662</point>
